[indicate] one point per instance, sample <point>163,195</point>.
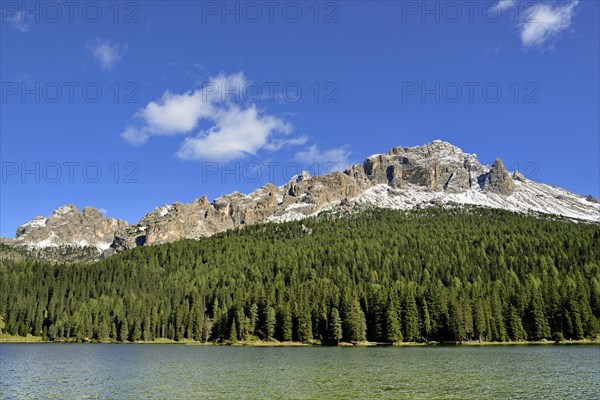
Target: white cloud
<point>505,4</point>
<point>338,157</point>
<point>544,22</point>
<point>175,113</point>
<point>235,128</point>
<point>18,19</point>
<point>281,142</point>
<point>236,133</point>
<point>135,136</point>
<point>107,53</point>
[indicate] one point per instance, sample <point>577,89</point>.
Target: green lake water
<point>172,371</point>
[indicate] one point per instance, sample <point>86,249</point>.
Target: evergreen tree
<point>354,323</point>
<point>305,333</point>
<point>537,325</point>
<point>335,326</point>
<point>123,331</point>
<point>410,319</point>
<point>207,329</point>
<point>394,333</point>
<point>515,325</point>
<point>253,319</point>
<point>284,323</point>
<point>426,321</point>
<point>233,332</point>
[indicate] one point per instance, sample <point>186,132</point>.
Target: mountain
<point>436,173</point>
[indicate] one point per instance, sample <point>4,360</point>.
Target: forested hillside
<point>385,276</point>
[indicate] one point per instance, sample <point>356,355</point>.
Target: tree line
<point>438,274</point>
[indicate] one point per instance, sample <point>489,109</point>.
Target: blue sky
<point>133,106</point>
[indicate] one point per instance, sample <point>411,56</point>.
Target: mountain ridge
<point>436,173</point>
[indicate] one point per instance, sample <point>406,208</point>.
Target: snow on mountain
<point>436,173</point>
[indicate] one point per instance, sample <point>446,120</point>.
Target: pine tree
<point>305,333</point>
<point>123,331</point>
<point>233,332</point>
<point>284,323</point>
<point>394,333</point>
<point>241,322</point>
<point>197,324</point>
<point>253,319</point>
<point>354,323</point>
<point>426,324</point>
<point>515,325</point>
<point>410,319</point>
<point>269,327</point>
<point>207,329</point>
<point>536,321</point>
<point>335,326</point>
<point>479,321</point>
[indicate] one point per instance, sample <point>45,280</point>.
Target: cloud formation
<point>18,19</point>
<point>235,129</point>
<point>505,4</point>
<point>545,22</point>
<point>106,52</point>
<point>335,159</point>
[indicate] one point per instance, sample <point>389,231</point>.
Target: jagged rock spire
<point>404,178</point>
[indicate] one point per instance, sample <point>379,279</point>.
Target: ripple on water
<point>58,371</point>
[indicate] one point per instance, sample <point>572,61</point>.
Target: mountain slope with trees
<point>443,274</point>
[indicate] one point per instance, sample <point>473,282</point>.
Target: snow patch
<point>528,197</point>
<point>37,222</point>
<point>164,210</point>
<point>298,205</point>
<point>66,209</point>
<point>287,216</point>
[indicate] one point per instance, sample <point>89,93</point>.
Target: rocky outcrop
<point>437,166</point>
<point>69,226</point>
<point>199,218</point>
<point>437,173</point>
<point>498,180</point>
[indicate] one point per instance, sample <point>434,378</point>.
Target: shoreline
<point>7,339</point>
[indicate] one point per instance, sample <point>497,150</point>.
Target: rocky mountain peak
<point>69,226</point>
<point>304,175</point>
<point>436,173</point>
<point>498,180</point>
<point>202,202</point>
<point>63,211</point>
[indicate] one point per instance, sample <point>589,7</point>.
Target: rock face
<point>498,180</point>
<point>68,226</point>
<point>437,173</point>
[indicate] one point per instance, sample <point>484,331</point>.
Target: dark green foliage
<point>233,333</point>
<point>284,323</point>
<point>354,323</point>
<point>335,326</point>
<point>445,275</point>
<point>410,319</point>
<point>394,332</point>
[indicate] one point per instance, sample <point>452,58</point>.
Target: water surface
<point>170,371</point>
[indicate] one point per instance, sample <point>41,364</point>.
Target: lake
<point>173,371</point>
